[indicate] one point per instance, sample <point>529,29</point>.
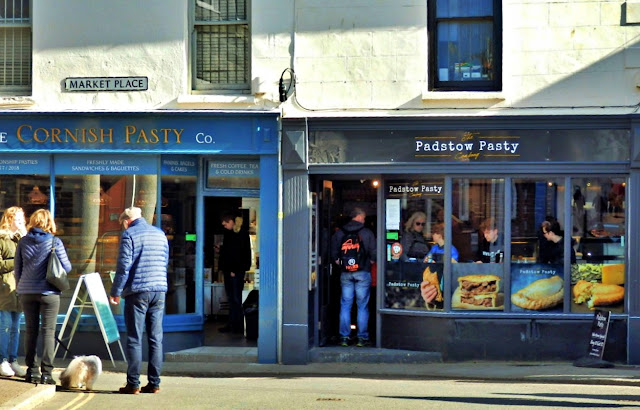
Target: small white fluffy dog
<point>83,371</point>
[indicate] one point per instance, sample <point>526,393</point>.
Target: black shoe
<point>29,378</point>
<point>47,380</point>
<point>363,342</point>
<point>225,329</point>
<point>344,341</point>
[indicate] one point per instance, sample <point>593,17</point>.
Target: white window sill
<point>16,102</point>
<point>493,96</point>
<point>243,99</point>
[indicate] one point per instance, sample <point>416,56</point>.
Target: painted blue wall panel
<point>268,305</point>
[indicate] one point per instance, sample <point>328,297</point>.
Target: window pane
<point>222,55</point>
<point>477,281</point>
<point>15,56</point>
<point>13,11</point>
<point>465,51</point>
<point>415,244</point>
<point>537,245</point>
<point>599,226</point>
<point>464,8</point>
<point>87,211</point>
<point>221,10</point>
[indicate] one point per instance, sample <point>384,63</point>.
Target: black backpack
<point>353,254</point>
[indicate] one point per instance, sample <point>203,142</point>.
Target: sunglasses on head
<point>421,223</point>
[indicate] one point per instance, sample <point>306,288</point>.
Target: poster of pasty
<point>597,286</point>
<point>537,287</point>
<point>477,286</point>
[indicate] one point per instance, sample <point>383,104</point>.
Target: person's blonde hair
<point>9,216</point>
<point>412,219</point>
<point>42,219</point>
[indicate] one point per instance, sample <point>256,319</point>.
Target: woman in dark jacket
<point>235,261</point>
<point>40,300</point>
<point>414,243</point>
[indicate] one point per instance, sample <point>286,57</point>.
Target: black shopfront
<point>478,190</point>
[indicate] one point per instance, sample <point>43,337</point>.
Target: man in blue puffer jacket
<point>141,278</point>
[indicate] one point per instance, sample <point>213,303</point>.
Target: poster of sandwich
<point>597,286</point>
<point>537,287</point>
<point>404,282</point>
<point>477,286</point>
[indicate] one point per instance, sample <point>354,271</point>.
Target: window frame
<point>18,24</point>
<point>223,88</point>
<point>480,85</point>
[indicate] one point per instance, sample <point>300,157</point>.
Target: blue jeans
<point>356,284</point>
<point>9,335</point>
<point>144,311</point>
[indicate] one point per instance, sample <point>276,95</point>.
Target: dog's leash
<point>65,347</point>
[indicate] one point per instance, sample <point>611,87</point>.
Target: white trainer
<point>17,369</point>
<point>5,369</point>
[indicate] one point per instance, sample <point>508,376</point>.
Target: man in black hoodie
<point>355,283</point>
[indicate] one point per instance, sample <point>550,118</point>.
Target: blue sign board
<point>171,132</point>
<point>105,164</point>
<point>179,165</point>
<point>24,164</point>
<point>244,169</point>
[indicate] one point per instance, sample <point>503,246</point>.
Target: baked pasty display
<point>597,294</point>
<point>477,292</point>
<point>432,279</point>
<point>541,294</point>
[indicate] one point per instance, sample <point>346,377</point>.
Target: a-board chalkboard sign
<point>94,296</point>
<point>598,336</point>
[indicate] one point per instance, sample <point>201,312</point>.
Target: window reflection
<point>178,223</point>
<point>86,214</point>
<point>599,225</point>
<point>477,279</point>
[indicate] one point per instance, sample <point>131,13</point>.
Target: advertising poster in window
<point>537,287</point>
<point>414,285</point>
<point>597,286</point>
<point>477,286</point>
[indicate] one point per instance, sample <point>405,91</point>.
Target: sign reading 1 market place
<point>177,133</point>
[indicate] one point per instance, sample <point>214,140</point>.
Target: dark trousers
<point>144,312</point>
<point>40,314</point>
<point>233,287</point>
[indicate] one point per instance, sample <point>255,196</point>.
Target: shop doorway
<point>334,201</point>
<point>216,306</point>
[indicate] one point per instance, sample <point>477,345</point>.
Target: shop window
<point>415,243</point>
<point>477,278</point>
<point>178,206</point>
<point>221,38</point>
<point>86,214</point>
<point>598,226</point>
<point>30,192</point>
<point>465,45</point>
<point>15,46</point>
<point>538,245</point>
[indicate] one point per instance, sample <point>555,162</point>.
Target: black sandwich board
<point>597,342</point>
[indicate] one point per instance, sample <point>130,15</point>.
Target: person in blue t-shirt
<point>436,253</point>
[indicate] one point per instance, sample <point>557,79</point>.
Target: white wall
<point>351,57</point>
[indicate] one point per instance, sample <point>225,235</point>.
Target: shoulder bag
<point>56,275</point>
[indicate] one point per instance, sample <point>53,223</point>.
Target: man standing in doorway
<point>141,278</point>
<point>353,247</point>
<point>235,261</point>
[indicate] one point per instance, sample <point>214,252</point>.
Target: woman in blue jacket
<point>40,300</point>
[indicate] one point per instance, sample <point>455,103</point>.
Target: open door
<point>335,199</point>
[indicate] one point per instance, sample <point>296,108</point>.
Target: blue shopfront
<point>184,170</point>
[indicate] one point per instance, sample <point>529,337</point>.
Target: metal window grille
<point>221,51</point>
<point>15,45</point>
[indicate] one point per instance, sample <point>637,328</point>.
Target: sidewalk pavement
<point>16,394</point>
